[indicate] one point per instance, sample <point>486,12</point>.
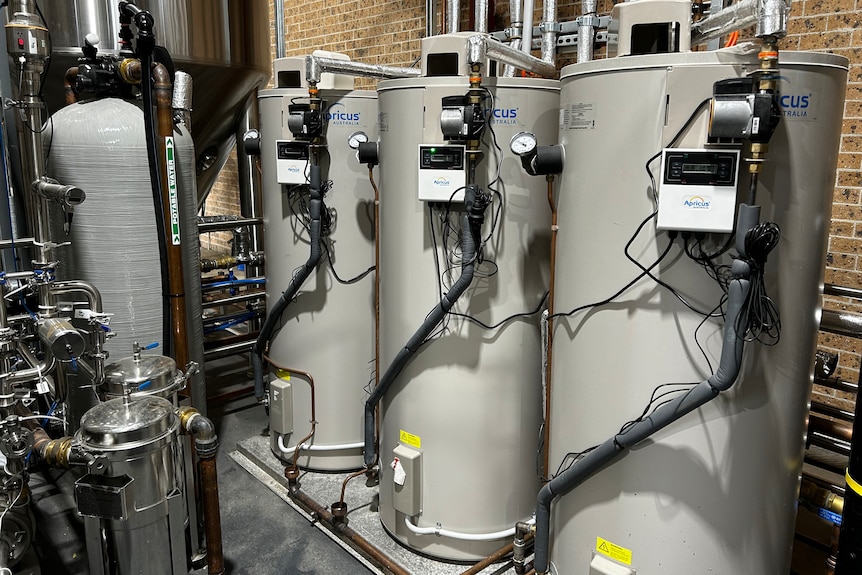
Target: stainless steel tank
<point>716,491</point>
<point>328,331</point>
<point>132,497</point>
<point>463,417</point>
<point>223,45</point>
<point>142,375</point>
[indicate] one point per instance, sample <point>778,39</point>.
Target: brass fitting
<point>130,71</point>
<point>768,57</point>
<point>186,414</point>
<point>56,452</point>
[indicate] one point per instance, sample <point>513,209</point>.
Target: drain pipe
<point>587,24</point>
<point>473,223</point>
<point>206,447</point>
<point>613,448</point>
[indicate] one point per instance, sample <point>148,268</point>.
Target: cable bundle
<point>760,319</point>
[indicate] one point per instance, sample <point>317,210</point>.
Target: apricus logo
<point>696,202</point>
<point>441,181</point>
<point>338,115</point>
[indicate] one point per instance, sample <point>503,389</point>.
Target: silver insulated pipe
<point>770,17</point>
<point>549,30</point>
<point>316,65</point>
<point>585,31</point>
<point>516,21</point>
<point>480,47</point>
<point>453,9</point>
<point>481,16</point>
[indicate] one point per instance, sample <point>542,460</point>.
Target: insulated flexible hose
<point>272,319</point>
<point>472,221</point>
<point>614,447</point>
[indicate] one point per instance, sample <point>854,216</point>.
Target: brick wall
<point>388,32</point>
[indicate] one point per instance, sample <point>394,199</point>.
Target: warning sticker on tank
<point>613,551</point>
<point>578,116</point>
<point>410,439</point>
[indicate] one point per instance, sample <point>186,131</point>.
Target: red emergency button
<point>20,42</point>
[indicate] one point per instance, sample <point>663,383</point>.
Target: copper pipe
<point>212,516</point>
<point>494,557</point>
<point>546,431</point>
<point>831,428</point>
<point>376,305</point>
<point>206,446</point>
<point>348,478</point>
<point>355,539</point>
<point>310,379</point>
<point>69,85</point>
<point>162,90</point>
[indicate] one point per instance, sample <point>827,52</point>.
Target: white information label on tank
<point>578,116</point>
<point>172,188</point>
<point>383,122</point>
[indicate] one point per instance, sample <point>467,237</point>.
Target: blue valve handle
<point>153,345</point>
<point>145,385</point>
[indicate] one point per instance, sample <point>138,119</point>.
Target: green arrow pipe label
<point>172,188</point>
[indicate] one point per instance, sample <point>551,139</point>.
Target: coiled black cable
<point>760,319</point>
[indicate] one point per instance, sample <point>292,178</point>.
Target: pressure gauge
<point>357,138</point>
<point>523,143</point>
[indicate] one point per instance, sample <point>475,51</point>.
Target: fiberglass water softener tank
<point>99,146</point>
<point>328,331</point>
<point>716,491</point>
<point>464,415</point>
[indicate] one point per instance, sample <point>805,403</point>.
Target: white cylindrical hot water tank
<point>714,492</point>
<point>464,415</point>
<point>328,331</point>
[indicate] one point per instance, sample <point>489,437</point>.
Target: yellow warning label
<point>410,439</point>
<point>283,374</point>
<point>613,551</point>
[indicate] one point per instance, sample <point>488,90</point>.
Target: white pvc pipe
<point>312,447</point>
<point>527,34</point>
<point>440,532</point>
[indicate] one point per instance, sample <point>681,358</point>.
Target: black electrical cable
<point>506,320</point>
<point>350,281</point>
<point>760,319</point>
<point>611,298</point>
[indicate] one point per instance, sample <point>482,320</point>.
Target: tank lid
<point>121,423</point>
<point>740,55</point>
<point>140,370</point>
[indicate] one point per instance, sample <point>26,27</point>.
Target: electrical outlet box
<point>280,406</point>
<point>601,565</point>
<point>697,190</point>
<point>291,162</point>
<point>407,497</point>
<point>442,173</point>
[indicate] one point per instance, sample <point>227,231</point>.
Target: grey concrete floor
<point>261,534</point>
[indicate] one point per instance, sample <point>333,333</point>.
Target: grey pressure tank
<point>328,331</point>
<point>716,491</point>
<point>463,417</point>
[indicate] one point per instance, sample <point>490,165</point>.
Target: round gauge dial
<point>357,138</point>
<point>523,143</point>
